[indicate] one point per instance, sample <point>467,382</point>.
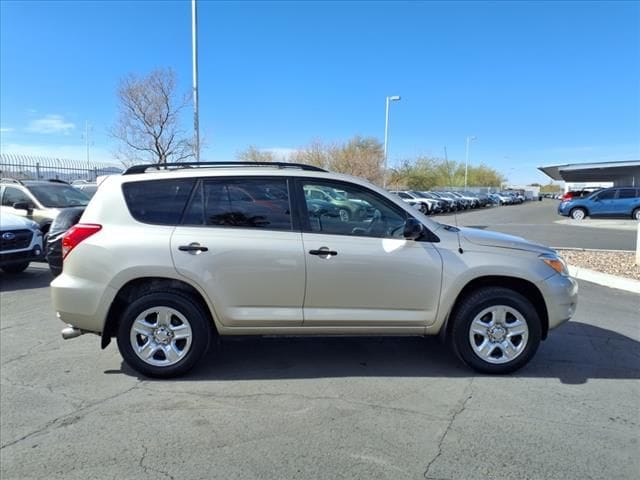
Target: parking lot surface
<point>309,408</point>
<point>539,222</point>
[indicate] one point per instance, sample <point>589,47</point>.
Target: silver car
<point>164,259</point>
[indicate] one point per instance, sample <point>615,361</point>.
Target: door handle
<point>193,248</point>
<point>323,251</point>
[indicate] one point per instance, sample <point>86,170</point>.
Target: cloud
<point>6,129</point>
<point>51,124</point>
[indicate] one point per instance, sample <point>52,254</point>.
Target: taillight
<point>76,234</point>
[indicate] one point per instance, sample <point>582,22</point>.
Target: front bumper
<point>31,255</point>
<point>561,296</point>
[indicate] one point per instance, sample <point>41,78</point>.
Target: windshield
<point>59,196</point>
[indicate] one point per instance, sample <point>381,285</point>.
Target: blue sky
<point>536,82</point>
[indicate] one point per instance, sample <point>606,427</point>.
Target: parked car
<point>453,202</point>
<point>446,204</point>
<point>425,205</point>
<point>461,204</point>
<point>20,242</point>
<point>575,194</point>
<point>38,200</point>
<point>87,187</point>
<point>348,209</point>
<point>210,268</point>
<point>609,202</point>
<point>66,219</point>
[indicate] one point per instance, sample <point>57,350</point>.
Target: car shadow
<point>574,354</point>
<point>33,277</point>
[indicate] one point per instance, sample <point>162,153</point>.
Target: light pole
<point>194,51</point>
<point>466,162</point>
<point>393,98</point>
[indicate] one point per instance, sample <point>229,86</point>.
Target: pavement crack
<point>460,408</point>
<point>67,419</point>
<point>148,469</point>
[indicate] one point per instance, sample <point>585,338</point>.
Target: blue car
<point>609,202</point>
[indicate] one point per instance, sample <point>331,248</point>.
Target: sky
<point>536,83</point>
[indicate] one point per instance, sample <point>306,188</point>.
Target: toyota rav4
<point>166,257</point>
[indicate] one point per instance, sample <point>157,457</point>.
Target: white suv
<point>165,258</point>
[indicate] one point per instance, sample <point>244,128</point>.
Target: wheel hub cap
<point>498,334</point>
<point>162,335</point>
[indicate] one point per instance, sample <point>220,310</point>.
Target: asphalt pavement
<point>539,222</point>
<point>319,408</point>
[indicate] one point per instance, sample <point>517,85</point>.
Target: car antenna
<point>455,212</point>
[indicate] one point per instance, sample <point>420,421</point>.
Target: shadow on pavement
<point>574,354</point>
<point>33,277</point>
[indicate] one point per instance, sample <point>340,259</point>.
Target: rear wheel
<point>15,267</point>
<point>163,334</point>
<point>578,213</point>
<point>636,214</point>
<point>496,330</point>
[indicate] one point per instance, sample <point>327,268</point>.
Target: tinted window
<point>14,195</point>
<point>607,195</point>
<point>360,213</point>
<point>59,196</point>
<point>160,202</point>
<point>241,203</point>
<point>627,193</point>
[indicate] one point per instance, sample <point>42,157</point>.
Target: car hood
<point>9,221</point>
<point>489,238</point>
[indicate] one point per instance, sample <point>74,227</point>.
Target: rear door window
<point>159,202</point>
<point>628,193</point>
<point>261,203</point>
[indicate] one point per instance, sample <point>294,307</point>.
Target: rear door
<point>362,271</point>
<point>626,201</point>
<point>238,243</point>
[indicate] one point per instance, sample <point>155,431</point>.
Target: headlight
<point>556,262</point>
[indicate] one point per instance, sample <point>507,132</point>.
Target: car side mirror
<point>23,206</point>
<point>413,229</point>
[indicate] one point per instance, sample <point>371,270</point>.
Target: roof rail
<point>57,180</point>
<point>11,180</point>
<point>174,166</point>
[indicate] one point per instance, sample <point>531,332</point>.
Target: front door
<point>238,243</point>
<point>361,271</point>
<point>604,203</point>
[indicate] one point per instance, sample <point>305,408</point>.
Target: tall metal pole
<point>386,140</point>
<point>86,139</point>
<point>194,43</point>
<point>466,165</point>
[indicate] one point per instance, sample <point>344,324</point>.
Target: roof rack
<point>174,166</point>
<point>57,180</point>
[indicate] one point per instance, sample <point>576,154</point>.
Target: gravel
<point>621,264</point>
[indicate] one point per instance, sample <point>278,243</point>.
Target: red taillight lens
<point>76,234</point>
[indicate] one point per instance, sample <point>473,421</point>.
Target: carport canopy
<point>626,173</point>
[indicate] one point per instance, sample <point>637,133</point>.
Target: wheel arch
<point>141,286</point>
<point>519,285</point>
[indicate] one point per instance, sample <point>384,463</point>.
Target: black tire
<point>636,214</point>
<point>474,304</point>
<point>576,212</point>
<point>15,267</point>
<point>200,327</point>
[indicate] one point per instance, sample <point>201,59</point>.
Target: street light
<point>194,53</point>
<point>466,162</point>
<point>394,98</point>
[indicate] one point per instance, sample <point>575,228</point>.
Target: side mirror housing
<point>23,206</point>
<point>413,229</point>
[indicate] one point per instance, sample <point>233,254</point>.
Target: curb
<point>605,279</point>
<point>580,249</point>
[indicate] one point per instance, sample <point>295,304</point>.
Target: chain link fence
<point>25,167</point>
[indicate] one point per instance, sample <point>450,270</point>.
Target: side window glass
<point>607,195</point>
<point>159,202</point>
<point>13,195</point>
<point>241,203</point>
<point>627,193</point>
<point>352,210</point>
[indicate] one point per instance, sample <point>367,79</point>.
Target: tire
<point>344,214</point>
<point>164,315</point>
<point>485,352</point>
<point>636,214</point>
<point>578,213</point>
<point>15,267</point>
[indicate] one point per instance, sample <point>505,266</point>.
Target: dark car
<point>66,219</point>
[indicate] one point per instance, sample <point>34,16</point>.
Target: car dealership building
<point>600,174</point>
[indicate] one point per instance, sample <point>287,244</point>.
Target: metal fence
<point>24,167</point>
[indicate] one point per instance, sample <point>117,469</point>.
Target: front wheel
<point>163,334</point>
<point>496,330</point>
<point>578,213</point>
<point>636,214</point>
<point>15,267</point>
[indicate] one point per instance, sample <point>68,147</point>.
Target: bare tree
<point>148,123</point>
<point>254,154</point>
